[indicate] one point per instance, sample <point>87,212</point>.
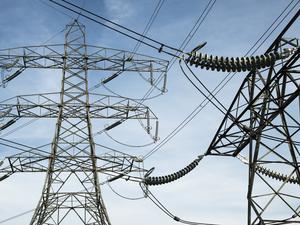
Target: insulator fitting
<point>8,124</point>
<point>277,176</point>
<point>270,173</point>
<point>4,177</point>
<point>227,64</point>
<point>174,176</point>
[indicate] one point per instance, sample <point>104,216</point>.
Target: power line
<point>202,93</point>
<point>219,87</point>
<point>164,209</point>
<point>149,24</point>
<point>195,28</point>
<point>56,9</point>
<point>186,41</point>
<point>17,216</point>
<point>118,28</point>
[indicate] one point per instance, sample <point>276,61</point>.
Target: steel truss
<point>264,117</point>
<point>73,161</point>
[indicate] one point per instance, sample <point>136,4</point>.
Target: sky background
<point>215,192</point>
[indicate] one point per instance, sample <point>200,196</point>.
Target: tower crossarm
<point>119,165</point>
<point>98,58</point>
<point>28,159</point>
<point>115,165</point>
<point>47,106</point>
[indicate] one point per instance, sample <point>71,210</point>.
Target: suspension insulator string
<point>238,64</point>
<point>148,180</point>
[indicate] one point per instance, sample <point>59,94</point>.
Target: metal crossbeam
<point>98,58</point>
<point>75,159</point>
<point>48,106</point>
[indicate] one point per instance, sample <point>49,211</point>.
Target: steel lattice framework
<point>73,160</point>
<point>264,118</point>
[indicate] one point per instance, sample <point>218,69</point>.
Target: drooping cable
<point>220,106</point>
<point>159,46</point>
<point>17,216</point>
<point>163,208</point>
<point>56,9</point>
<point>134,99</point>
<point>126,144</point>
<point>218,88</point>
<point>149,24</point>
<point>22,147</point>
<point>187,40</point>
<point>200,20</point>
<point>122,196</point>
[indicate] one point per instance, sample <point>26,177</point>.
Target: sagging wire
<point>188,38</point>
<point>220,107</point>
<point>149,24</point>
<point>186,41</point>
<point>146,128</point>
<point>117,27</point>
<point>158,203</point>
<point>160,49</point>
<point>126,144</point>
<point>122,196</point>
<point>153,85</point>
<point>220,85</point>
<point>146,30</point>
<point>17,216</point>
<point>57,10</point>
<point>135,99</point>
<point>12,144</point>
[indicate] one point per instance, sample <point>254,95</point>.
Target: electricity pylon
<point>74,161</point>
<point>264,119</point>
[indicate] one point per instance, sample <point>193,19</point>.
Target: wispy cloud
<point>119,10</point>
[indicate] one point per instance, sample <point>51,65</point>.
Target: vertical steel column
<point>73,148</point>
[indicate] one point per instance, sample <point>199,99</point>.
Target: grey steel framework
<point>73,160</point>
<point>265,117</point>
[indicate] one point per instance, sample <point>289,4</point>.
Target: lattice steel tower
<point>73,161</point>
<point>73,141</point>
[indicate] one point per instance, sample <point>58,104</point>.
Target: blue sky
<point>216,191</point>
